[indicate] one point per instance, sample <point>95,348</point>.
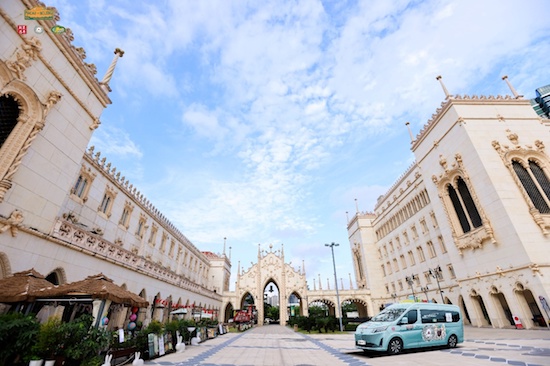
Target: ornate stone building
<point>468,223</point>
<point>65,210</point>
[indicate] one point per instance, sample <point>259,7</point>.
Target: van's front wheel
<point>452,342</point>
<point>395,346</point>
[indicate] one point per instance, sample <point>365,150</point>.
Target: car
<point>268,321</point>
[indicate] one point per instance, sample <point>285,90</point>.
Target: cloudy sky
<point>263,121</point>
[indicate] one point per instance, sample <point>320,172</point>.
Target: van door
<point>411,332</point>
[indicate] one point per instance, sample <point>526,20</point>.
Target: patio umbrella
<point>22,286</point>
<point>97,287</point>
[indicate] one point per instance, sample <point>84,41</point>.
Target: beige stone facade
<point>64,209</point>
<point>470,216</point>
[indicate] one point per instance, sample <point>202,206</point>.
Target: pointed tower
<point>109,74</point>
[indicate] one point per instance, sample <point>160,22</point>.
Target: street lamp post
<point>435,273</point>
<point>332,245</point>
<point>410,281</point>
<point>425,291</point>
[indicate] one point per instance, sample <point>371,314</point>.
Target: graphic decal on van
<point>433,332</point>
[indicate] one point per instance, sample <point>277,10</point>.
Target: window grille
<point>530,186</point>
<point>469,203</point>
<point>458,209</point>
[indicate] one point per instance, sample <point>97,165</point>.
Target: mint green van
<point>411,325</point>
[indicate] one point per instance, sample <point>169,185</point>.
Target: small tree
<point>18,334</point>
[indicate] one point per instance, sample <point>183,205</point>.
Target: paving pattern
<point>275,345</point>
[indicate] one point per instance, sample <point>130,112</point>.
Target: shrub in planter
<point>81,342</point>
<point>49,339</point>
<point>17,336</point>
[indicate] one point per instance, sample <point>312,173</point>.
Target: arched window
<point>538,189</point>
<point>9,112</point>
<point>464,206</point>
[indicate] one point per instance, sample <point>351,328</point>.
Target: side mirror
<point>404,320</point>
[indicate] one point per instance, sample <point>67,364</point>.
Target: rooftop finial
<point>224,240</point>
<point>356,206</point>
<point>447,95</point>
<point>512,89</point>
<point>410,132</point>
<point>107,78</point>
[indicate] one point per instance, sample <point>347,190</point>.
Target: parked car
<point>411,325</point>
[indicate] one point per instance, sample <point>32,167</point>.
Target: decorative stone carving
<point>12,223</point>
<point>23,57</point>
<point>53,98</point>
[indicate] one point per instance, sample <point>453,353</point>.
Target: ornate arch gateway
<point>272,273</point>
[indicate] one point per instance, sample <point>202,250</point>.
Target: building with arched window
<point>469,222</point>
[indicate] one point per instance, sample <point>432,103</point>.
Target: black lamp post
<point>332,245</point>
<point>425,291</point>
<point>435,273</point>
<point>410,281</point>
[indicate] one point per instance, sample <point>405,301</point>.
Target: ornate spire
<point>320,287</point>
<point>224,240</point>
<point>350,283</point>
<point>303,267</point>
<point>356,206</point>
<point>410,132</point>
<point>107,78</point>
<point>512,89</point>
<point>447,95</point>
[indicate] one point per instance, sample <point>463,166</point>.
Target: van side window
<point>438,316</point>
<point>412,316</point>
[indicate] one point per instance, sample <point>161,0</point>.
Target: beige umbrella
<point>23,286</point>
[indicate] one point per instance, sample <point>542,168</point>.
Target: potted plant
<point>82,343</point>
<point>18,334</point>
<point>49,339</point>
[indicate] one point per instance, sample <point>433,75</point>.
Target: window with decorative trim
<point>529,167</point>
<point>411,258</point>
<point>420,252</point>
<point>107,202</point>
<point>153,237</point>
<point>431,249</point>
<point>141,225</point>
<point>535,182</point>
<point>464,205</point>
<point>470,226</point>
<point>126,214</point>
<point>163,242</point>
<point>403,261</point>
<point>395,265</point>
<point>172,246</point>
<point>441,244</point>
<point>80,190</point>
<point>451,270</point>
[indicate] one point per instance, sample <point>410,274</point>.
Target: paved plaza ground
<point>276,345</point>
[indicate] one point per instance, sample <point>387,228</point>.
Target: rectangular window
<point>384,270</point>
<point>388,266</point>
<point>411,258</point>
<point>80,186</point>
<point>403,261</point>
<point>414,232</point>
<point>153,236</point>
<point>451,271</point>
<point>431,249</point>
<point>105,204</point>
<point>441,244</point>
<point>428,277</point>
<point>395,266</point>
<point>420,252</point>
<point>400,285</point>
<point>424,226</point>
<point>172,246</point>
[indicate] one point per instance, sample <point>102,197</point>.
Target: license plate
<point>361,342</point>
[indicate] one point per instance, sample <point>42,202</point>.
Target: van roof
<point>422,305</point>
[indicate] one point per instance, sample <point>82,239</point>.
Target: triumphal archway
<point>270,273</point>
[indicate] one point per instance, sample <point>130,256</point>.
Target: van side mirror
<point>404,320</point>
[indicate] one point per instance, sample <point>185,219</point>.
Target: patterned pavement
<point>275,345</point>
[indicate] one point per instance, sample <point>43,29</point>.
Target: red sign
<point>22,29</point>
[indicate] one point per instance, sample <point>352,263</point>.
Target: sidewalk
<point>275,345</point>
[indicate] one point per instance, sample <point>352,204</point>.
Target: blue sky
<point>263,121</point>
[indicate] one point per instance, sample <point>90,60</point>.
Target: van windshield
<point>388,315</point>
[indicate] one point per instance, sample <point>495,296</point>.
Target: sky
<point>264,122</point>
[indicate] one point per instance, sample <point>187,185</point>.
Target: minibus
<point>411,325</point>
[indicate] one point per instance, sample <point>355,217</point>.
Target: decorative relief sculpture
<point>12,223</point>
<point>23,58</point>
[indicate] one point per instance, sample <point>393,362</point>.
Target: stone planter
<point>36,362</point>
<point>49,363</point>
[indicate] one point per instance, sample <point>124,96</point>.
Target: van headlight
<point>380,329</point>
